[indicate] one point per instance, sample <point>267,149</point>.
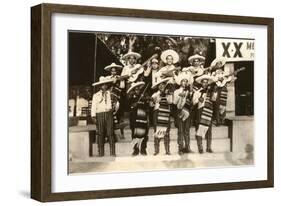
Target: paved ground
<point>162,162</point>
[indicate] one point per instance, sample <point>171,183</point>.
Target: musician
<point>139,108</point>
<point>182,100</point>
<point>102,115</point>
<point>203,102</point>
<point>116,93</point>
<point>132,67</point>
<point>151,76</point>
<point>161,115</point>
<point>196,69</point>
<point>221,91</point>
<point>170,58</point>
<point>114,69</point>
<point>151,71</point>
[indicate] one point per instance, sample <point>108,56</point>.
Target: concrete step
<point>124,149</point>
<point>217,133</point>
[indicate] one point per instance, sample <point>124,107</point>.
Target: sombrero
<point>134,85</point>
<point>154,60</point>
<point>205,76</point>
<point>134,54</point>
<point>182,76</point>
<point>217,60</point>
<point>172,53</point>
<point>102,80</point>
<point>196,56</point>
<point>112,65</point>
<point>160,82</point>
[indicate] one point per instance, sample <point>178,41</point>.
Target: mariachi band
<point>192,95</point>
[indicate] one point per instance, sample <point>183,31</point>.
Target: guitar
<point>168,73</point>
<point>135,72</point>
<point>222,83</point>
<point>199,72</point>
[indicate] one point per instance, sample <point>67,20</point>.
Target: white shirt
<point>101,103</point>
<point>196,96</point>
<point>177,97</point>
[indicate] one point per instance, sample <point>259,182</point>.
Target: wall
<point>15,104</point>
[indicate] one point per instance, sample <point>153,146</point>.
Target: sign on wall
<point>235,49</point>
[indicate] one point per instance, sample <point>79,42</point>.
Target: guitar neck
<point>235,72</point>
<point>123,77</point>
<point>145,63</point>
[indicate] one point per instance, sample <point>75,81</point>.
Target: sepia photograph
<point>131,102</point>
<point>141,102</point>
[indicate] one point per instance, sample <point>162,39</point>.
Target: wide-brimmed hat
<point>102,80</point>
<point>160,82</point>
<point>112,65</point>
<point>154,60</point>
<point>134,54</point>
<point>196,56</point>
<point>182,76</point>
<point>205,76</point>
<point>217,60</point>
<point>172,53</point>
<point>134,85</point>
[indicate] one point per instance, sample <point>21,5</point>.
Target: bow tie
<point>104,96</point>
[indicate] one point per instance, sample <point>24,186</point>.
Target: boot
<point>143,146</point>
<point>101,150</point>
<point>180,152</point>
<point>167,145</point>
<point>112,150</point>
<point>187,149</point>
<point>209,148</point>
<point>156,146</point>
<point>199,144</point>
<point>135,150</point>
<point>187,145</point>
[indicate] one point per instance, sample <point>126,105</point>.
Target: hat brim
<point>215,61</point>
<point>134,86</point>
<point>160,82</point>
<point>102,82</point>
<point>182,77</point>
<point>134,54</point>
<point>192,58</point>
<point>199,79</point>
<point>108,68</point>
<point>172,53</point>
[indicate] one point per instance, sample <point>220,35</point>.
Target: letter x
<point>238,47</point>
<point>226,47</point>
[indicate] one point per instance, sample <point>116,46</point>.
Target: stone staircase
<point>221,142</point>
